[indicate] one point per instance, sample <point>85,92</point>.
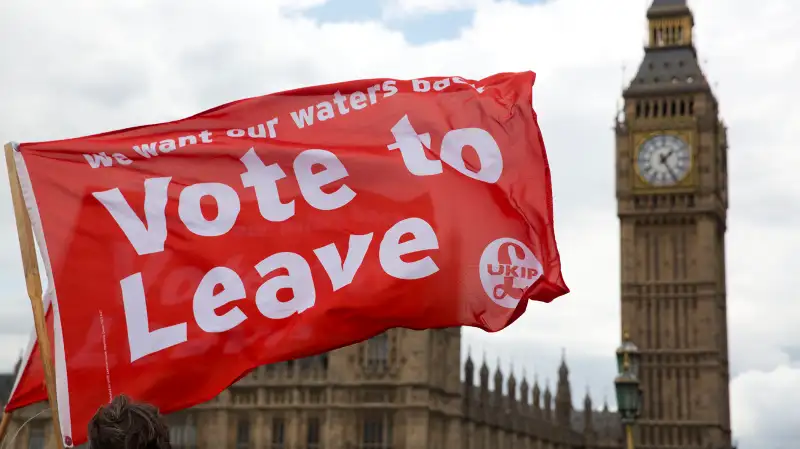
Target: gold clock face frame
<point>663,160</point>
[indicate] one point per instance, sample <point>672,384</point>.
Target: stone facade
<point>673,240</point>
<point>400,390</point>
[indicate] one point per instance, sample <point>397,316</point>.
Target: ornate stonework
<point>672,192</point>
<point>401,390</point>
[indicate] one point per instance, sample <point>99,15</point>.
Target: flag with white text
<point>184,254</point>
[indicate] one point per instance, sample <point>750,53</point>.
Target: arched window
<point>376,430</point>
<point>278,433</point>
<point>190,433</point>
<point>378,351</point>
<point>183,432</point>
<point>36,435</point>
<point>324,361</point>
<point>243,433</point>
<point>313,433</point>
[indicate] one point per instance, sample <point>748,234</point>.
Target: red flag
<point>29,387</point>
<point>287,225</point>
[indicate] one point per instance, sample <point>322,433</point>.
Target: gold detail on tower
<point>670,32</point>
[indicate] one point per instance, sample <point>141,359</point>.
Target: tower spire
<point>670,62</point>
<point>671,23</point>
<point>667,3</point>
<point>667,8</point>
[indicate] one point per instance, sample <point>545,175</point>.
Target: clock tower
<point>672,192</point>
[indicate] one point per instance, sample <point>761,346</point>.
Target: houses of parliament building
<point>401,389</point>
<point>409,389</point>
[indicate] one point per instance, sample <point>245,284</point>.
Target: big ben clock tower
<point>672,192</point>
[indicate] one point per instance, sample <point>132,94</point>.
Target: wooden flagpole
<point>33,282</point>
<point>4,422</point>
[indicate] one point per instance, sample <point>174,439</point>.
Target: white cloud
<point>74,69</point>
<point>411,8</point>
<point>764,406</point>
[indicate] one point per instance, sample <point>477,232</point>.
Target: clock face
<point>664,160</point>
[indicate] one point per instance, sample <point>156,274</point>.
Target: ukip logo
<point>507,269</point>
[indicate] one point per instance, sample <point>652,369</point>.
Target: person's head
<point>123,424</point>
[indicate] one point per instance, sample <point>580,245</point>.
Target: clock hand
<point>663,159</point>
<point>671,172</point>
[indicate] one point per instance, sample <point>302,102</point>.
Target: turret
<point>548,402</point>
<point>469,382</point>
<point>563,395</point>
<point>498,386</point>
<point>587,411</point>
<point>512,386</point>
<point>469,370</point>
<point>484,376</point>
<point>524,391</point>
<point>588,421</point>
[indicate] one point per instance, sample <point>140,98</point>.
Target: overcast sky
<point>81,67</point>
